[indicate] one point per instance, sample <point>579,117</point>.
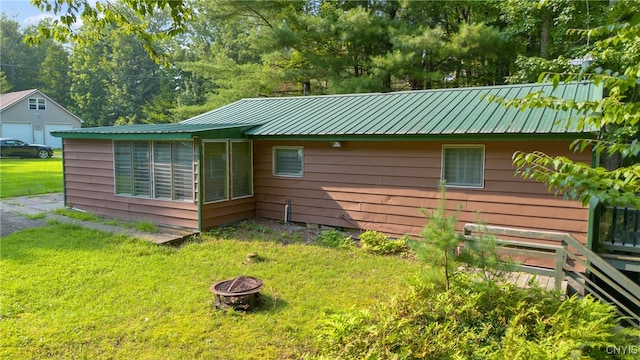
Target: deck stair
<point>585,271</point>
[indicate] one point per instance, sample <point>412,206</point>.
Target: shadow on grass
<point>270,304</point>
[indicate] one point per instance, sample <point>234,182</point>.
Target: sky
<point>22,11</point>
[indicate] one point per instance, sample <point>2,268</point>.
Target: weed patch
<point>77,215</point>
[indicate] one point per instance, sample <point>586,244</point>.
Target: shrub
<point>475,320</point>
<point>378,243</point>
<point>334,239</point>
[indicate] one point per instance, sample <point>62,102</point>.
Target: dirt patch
<point>274,230</point>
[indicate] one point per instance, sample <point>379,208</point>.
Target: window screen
<point>182,156</point>
<point>463,166</point>
<point>288,161</point>
<point>241,169</point>
<point>159,169</point>
<point>216,183</point>
<point>123,161</point>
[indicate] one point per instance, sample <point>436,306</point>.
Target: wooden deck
<point>526,280</point>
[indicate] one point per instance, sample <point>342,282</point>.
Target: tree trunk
<point>545,28</point>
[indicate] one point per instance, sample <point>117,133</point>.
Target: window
<point>463,165</point>
<point>228,170</point>
<point>287,161</point>
<point>241,169</point>
<point>157,170</point>
<point>216,169</point>
<point>36,104</point>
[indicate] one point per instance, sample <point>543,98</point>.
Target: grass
<point>77,215</point>
<point>71,292</point>
<point>21,177</point>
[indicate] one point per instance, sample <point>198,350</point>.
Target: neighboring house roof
<point>10,99</point>
<point>438,112</point>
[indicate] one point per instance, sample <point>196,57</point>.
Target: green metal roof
<point>460,111</point>
<point>177,131</point>
<point>441,113</point>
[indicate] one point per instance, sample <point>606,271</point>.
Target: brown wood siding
<point>383,185</point>
<point>225,212</point>
<point>89,186</point>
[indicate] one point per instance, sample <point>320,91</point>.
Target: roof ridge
<point>401,92</point>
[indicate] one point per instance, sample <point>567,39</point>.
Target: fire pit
<point>240,293</point>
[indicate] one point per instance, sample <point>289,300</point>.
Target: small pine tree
<point>441,241</point>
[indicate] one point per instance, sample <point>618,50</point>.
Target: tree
<point>113,78</point>
<point>132,16</point>
<point>616,115</point>
<point>5,87</point>
<point>54,75</point>
<point>542,36</point>
<point>19,62</point>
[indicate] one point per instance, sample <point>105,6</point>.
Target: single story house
<point>366,161</point>
<point>31,116</point>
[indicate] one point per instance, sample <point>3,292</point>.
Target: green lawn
<point>69,292</point>
<point>21,177</point>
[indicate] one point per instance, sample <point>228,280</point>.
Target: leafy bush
<point>334,239</point>
<point>475,320</point>
<point>378,243</point>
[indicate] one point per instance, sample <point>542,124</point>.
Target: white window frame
<point>37,104</point>
<point>482,166</point>
<point>274,161</point>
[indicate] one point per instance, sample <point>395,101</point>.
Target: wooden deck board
<point>525,280</point>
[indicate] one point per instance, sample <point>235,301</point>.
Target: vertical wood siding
<point>383,185</point>
<point>89,186</point>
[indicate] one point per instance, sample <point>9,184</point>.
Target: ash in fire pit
<point>240,293</point>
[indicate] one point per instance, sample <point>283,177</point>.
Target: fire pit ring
<point>240,293</point>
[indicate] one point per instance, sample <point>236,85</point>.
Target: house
<point>30,116</point>
<point>366,161</point>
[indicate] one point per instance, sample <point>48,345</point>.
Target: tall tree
<point>113,78</point>
<point>5,87</point>
<point>132,16</point>
<point>18,61</point>
<point>617,116</point>
<point>544,36</point>
<point>54,75</point>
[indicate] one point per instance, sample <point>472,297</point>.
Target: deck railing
<point>619,228</point>
<point>585,271</point>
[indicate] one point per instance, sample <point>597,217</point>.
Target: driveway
<point>15,213</point>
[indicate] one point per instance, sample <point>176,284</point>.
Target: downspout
<point>287,212</point>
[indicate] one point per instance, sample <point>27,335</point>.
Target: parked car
<point>16,148</point>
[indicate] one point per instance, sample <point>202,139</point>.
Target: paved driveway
<point>14,214</point>
<point>14,211</point>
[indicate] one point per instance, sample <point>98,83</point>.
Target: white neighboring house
<point>30,116</point>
